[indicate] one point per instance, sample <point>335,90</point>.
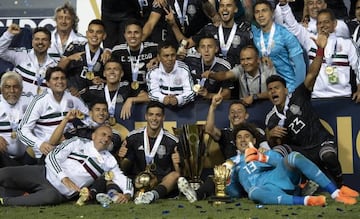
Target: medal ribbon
<point>149,155</point>
<point>226,46</point>
<point>282,116</point>
<point>267,50</point>
<point>181,16</point>
<point>135,62</point>
<point>91,61</point>
<point>111,102</point>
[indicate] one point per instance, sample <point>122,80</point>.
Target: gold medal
<point>109,176</point>
<point>135,85</point>
<point>39,90</point>
<point>90,75</point>
<point>112,121</point>
<point>13,134</point>
<point>196,88</point>
<point>329,70</point>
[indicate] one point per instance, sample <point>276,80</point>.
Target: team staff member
<point>32,64</point>
<point>171,82</point>
<point>65,31</point>
<point>152,145</point>
<point>251,73</point>
<point>276,43</point>
<point>74,164</point>
<point>46,111</point>
<point>12,108</point>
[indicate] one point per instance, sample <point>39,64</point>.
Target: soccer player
<point>82,60</point>
<point>155,148</point>
<point>293,121</point>
<point>207,61</point>
<point>115,92</point>
<point>74,164</point>
<point>134,55</point>
<point>269,178</point>
<point>276,43</point>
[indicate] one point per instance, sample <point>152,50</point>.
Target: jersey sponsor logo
<point>297,125</point>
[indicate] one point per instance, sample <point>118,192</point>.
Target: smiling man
<point>32,64</point>
<point>207,61</point>
<point>82,60</point>
<point>154,149</point>
<point>74,164</point>
<point>45,112</point>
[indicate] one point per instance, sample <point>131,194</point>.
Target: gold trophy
<point>146,180</point>
<point>193,149</point>
<point>221,178</point>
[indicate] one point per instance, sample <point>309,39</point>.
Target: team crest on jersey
<point>119,99</point>
<point>295,109</point>
<point>70,104</point>
<point>161,152</point>
<point>191,10</point>
<point>236,42</point>
<point>177,81</point>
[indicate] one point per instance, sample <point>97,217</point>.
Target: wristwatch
<point>255,97</point>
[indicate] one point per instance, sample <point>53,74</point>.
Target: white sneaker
<point>104,199</point>
<point>186,189</point>
<point>145,198</point>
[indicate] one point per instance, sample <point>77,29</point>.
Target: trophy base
<point>219,200</point>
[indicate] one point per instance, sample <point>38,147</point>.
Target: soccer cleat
<point>104,199</point>
<point>346,191</point>
<point>84,196</point>
<point>145,198</point>
<point>316,201</point>
<point>308,188</point>
<point>345,199</point>
<point>186,189</point>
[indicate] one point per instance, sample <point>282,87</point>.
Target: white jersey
<point>178,82</point>
<point>340,53</point>
<point>26,64</point>
<point>78,159</point>
<point>284,16</point>
<point>42,117</point>
<point>56,49</point>
<point>10,117</point>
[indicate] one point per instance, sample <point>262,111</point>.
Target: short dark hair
<point>166,44</point>
<point>237,102</point>
<point>51,70</point>
<point>327,11</point>
<point>265,2</point>
<point>207,36</point>
<point>274,78</point>
<point>251,46</point>
<point>132,21</point>
<point>44,30</point>
<point>250,128</point>
<point>97,22</point>
<point>113,60</point>
<point>155,104</point>
<point>97,101</point>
